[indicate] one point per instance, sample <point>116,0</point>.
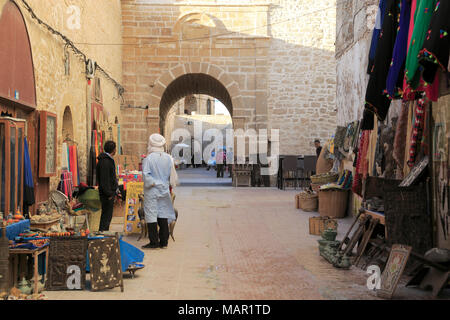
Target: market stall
<point>398,154</point>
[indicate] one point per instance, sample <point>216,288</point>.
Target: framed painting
<point>393,270</point>
<point>47,144</point>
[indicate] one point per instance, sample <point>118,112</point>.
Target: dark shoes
<point>163,247</point>
<point>150,246</point>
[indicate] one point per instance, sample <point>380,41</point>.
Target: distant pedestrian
<point>107,183</point>
<point>318,147</point>
<point>158,172</point>
<point>220,162</point>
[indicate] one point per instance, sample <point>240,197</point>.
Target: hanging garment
<point>28,186</point>
<point>436,46</point>
<point>65,184</point>
<point>64,159</point>
<point>376,33</point>
<point>377,100</point>
<point>74,165</point>
<point>400,135</point>
<point>417,130</point>
<point>394,80</point>
<point>431,89</point>
<point>423,14</point>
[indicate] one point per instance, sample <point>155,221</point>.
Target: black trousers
<point>107,213</point>
<point>162,238</point>
<point>220,170</point>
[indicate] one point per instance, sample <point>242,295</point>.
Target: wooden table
<point>35,253</point>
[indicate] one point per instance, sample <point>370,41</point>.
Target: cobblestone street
<point>238,243</point>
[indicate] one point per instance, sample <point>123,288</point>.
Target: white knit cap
<point>156,143</point>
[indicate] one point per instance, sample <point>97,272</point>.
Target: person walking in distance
<point>158,173</point>
<point>107,183</point>
<point>220,163</point>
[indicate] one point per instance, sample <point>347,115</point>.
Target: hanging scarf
<point>417,130</point>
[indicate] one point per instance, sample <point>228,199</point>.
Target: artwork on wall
<point>48,147</point>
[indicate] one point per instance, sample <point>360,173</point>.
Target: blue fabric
<point>129,254</point>
<point>13,230</point>
<point>400,49</point>
<point>376,33</point>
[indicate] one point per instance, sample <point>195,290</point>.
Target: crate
<point>333,203</point>
<point>318,224</point>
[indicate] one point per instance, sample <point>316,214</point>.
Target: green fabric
<point>422,18</point>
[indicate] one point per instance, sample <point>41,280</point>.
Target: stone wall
<point>100,26</point>
<point>354,25</point>
<point>276,59</point>
<point>302,73</point>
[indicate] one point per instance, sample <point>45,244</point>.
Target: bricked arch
<point>194,78</point>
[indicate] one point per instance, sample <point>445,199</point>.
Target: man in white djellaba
<point>159,174</point>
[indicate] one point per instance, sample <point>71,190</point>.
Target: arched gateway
<point>194,78</point>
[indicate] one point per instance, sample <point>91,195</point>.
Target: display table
<point>35,253</point>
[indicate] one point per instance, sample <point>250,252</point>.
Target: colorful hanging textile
<point>65,184</point>
<point>74,165</point>
<point>436,46</point>
<point>423,14</point>
<point>377,100</point>
<point>417,130</point>
<point>376,33</point>
<point>394,80</point>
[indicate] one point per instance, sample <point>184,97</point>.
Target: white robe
<point>158,172</point>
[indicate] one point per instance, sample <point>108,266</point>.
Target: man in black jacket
<point>107,183</point>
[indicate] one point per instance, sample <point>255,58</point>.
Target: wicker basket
<point>324,178</point>
<point>333,203</point>
<point>308,201</point>
<point>318,224</point>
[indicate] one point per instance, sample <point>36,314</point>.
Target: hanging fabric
<point>376,33</point>
<point>64,158</point>
<point>436,46</point>
<point>65,184</point>
<point>28,186</point>
<point>394,80</point>
<point>423,14</point>
<point>377,100</point>
<point>417,130</point>
<point>400,135</point>
<point>74,165</point>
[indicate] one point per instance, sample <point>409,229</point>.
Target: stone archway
<point>194,78</point>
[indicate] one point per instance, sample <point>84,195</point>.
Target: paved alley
<point>246,243</point>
